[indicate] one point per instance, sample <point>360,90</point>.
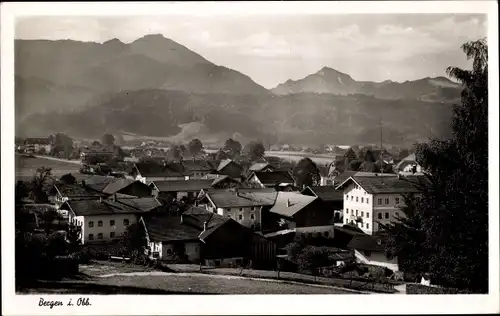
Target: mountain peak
<point>151,37</point>
<point>113,41</point>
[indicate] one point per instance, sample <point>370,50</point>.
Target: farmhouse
<point>271,179</point>
<point>36,145</point>
<point>178,189</point>
<point>199,235</point>
<point>107,219</point>
<point>245,206</point>
<point>261,167</point>
<point>376,199</point>
<point>147,172</point>
<point>305,214</point>
<point>332,199</point>
<point>408,166</point>
<point>371,250</point>
<point>230,168</point>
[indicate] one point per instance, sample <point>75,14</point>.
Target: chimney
<point>182,219</point>
<point>83,183</point>
<point>204,226</point>
<point>288,203</point>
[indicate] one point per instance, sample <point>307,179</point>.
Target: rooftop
<point>259,166</point>
<point>241,198</point>
<point>327,193</point>
<point>182,185</point>
<point>274,177</point>
<point>110,206</point>
<point>290,203</point>
<point>368,243</point>
<point>147,169</point>
<point>388,184</point>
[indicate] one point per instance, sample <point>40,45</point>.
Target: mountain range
<point>159,88</point>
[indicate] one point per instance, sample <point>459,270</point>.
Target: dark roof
<point>118,185</point>
<point>274,177</point>
<point>368,243</point>
<point>98,183</point>
<point>389,184</point>
<point>107,207</point>
<point>196,165</point>
<point>227,198</point>
<point>224,178</point>
<point>156,170</point>
<point>171,228</point>
<point>224,163</point>
<point>344,176</point>
<point>182,185</point>
<point>74,190</point>
<point>259,166</point>
<point>327,193</point>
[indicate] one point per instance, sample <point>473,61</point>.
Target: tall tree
<point>174,153</point>
<point>68,178</point>
<point>449,226</point>
<point>195,147</point>
<point>350,155</point>
<point>134,241</point>
<point>306,172</point>
<point>255,150</point>
<point>108,140</point>
<point>38,184</point>
<point>232,148</point>
<point>63,143</point>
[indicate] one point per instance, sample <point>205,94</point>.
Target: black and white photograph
<point>209,149</point>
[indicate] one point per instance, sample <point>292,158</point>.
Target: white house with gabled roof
<point>371,200</point>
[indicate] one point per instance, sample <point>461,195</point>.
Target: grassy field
<point>26,167</point>
<point>119,278</point>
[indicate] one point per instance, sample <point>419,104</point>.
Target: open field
<point>26,167</point>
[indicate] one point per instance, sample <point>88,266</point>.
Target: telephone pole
<point>381,148</point>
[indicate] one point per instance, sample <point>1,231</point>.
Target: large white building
<point>371,200</point>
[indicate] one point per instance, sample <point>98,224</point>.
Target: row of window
<point>126,222</point>
<point>240,216</point>
<point>379,201</point>
<point>357,199</point>
<point>357,213</point>
<point>241,209</point>
<point>387,215</point>
<point>361,224</point>
<point>101,236</point>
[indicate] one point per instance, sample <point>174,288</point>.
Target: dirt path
<point>76,162</point>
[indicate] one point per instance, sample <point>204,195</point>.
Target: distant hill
<point>45,69</point>
<point>156,87</point>
<point>327,118</point>
<point>328,80</point>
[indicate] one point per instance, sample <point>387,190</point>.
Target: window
<point>325,234</point>
<point>397,214</point>
<point>99,236</point>
<point>362,213</point>
<point>368,253</point>
<point>91,224</point>
<point>367,226</point>
<point>347,210</point>
<point>386,201</point>
<point>112,235</point>
<point>252,217</point>
<point>367,201</point>
<point>386,215</point>
<point>125,222</point>
<point>362,200</point>
<point>169,252</point>
<point>356,212</point>
<point>352,212</point>
<point>228,209</point>
<point>347,196</point>
<point>352,197</point>
<point>397,200</point>
<point>240,217</point>
<point>99,223</point>
<point>379,201</point>
<point>91,236</point>
<point>252,208</point>
<point>241,209</point>
<point>379,215</point>
<point>367,215</point>
<point>356,199</point>
<point>112,222</point>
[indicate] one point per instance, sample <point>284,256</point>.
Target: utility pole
<point>381,148</point>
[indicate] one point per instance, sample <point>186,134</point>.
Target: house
<point>230,168</point>
<point>36,145</point>
<point>408,166</point>
<point>261,167</point>
<point>270,179</point>
<point>148,172</point>
<point>306,214</point>
<point>371,250</point>
<point>63,192</point>
<point>128,187</point>
<point>178,189</point>
<point>198,168</point>
<point>199,235</point>
<point>371,200</point>
<point>331,198</point>
<point>225,182</point>
<point>326,176</point>
<point>245,206</point>
<point>107,219</point>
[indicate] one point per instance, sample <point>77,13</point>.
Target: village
<point>235,210</point>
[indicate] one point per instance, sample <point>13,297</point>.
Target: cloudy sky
<point>272,49</point>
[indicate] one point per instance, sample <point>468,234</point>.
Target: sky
<point>273,49</point>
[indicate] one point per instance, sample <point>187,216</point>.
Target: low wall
<point>423,289</point>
